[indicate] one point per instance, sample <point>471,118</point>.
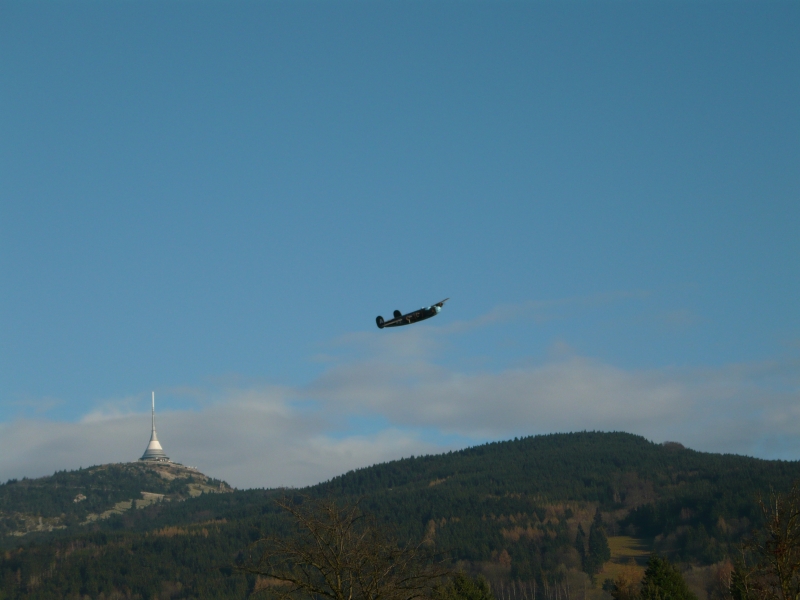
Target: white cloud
<point>733,408</point>
<point>250,438</point>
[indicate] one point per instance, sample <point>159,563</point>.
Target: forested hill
<point>516,505</point>
<point>697,504</point>
<point>609,468</point>
<point>78,498</point>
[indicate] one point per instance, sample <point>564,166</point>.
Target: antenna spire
<point>154,450</point>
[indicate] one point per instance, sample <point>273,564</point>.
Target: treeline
<point>516,508</point>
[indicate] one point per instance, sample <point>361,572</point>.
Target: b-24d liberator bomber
<point>412,317</point>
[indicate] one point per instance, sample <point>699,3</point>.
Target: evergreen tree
<point>623,587</point>
<point>463,587</point>
<point>663,581</point>
<point>580,545</point>
<point>599,552</point>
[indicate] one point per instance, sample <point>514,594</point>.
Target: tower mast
<point>154,450</point>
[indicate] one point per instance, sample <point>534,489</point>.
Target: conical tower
<point>154,450</point>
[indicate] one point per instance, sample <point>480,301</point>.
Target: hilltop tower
<point>154,450</point>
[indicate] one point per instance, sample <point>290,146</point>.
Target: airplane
<point>412,317</point>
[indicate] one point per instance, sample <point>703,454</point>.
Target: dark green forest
<point>71,498</point>
<point>511,510</point>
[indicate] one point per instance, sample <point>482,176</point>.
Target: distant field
<point>628,556</point>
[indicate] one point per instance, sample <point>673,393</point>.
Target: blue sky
<point>215,200</point>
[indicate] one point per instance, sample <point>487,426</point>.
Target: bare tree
<point>769,567</point>
<point>339,553</point>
